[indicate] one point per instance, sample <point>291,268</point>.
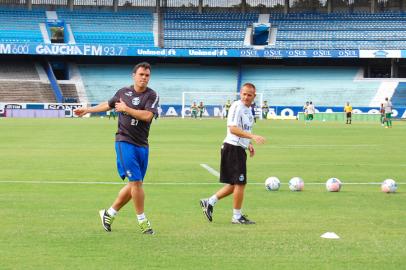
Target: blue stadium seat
<point>399,96</point>
<point>133,28</point>
<point>339,31</point>
<point>185,29</point>
<point>20,26</point>
<point>325,86</point>
<point>102,81</point>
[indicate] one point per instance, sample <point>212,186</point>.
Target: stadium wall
<point>284,112</point>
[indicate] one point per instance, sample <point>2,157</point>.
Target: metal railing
<point>345,6</point>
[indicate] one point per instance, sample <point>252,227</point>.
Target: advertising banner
<point>128,50</point>
<point>166,110</point>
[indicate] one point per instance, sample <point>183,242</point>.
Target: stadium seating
<point>294,31</point>
<point>206,30</point>
<point>36,92</point>
<point>399,96</point>
<point>20,82</point>
<point>133,28</point>
<point>171,80</point>
<point>69,93</point>
<point>220,29</point>
<point>18,71</point>
<point>21,25</point>
<point>339,31</point>
<point>102,81</point>
<point>325,86</point>
<point>292,86</point>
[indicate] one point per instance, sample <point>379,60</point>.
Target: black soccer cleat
<point>150,231</point>
<point>207,209</point>
<point>106,220</point>
<point>242,220</point>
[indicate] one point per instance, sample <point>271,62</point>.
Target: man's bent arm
<point>142,115</point>
<point>102,107</point>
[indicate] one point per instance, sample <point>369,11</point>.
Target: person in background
<point>111,113</point>
<point>265,110</point>
<point>227,107</point>
<point>194,109</point>
<point>348,112</point>
<point>305,111</point>
<point>310,111</point>
<point>387,106</point>
<point>253,106</point>
<point>202,109</point>
<point>382,111</point>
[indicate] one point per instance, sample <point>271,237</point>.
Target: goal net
<point>214,102</point>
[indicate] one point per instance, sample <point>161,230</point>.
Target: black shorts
<point>348,114</point>
<point>233,166</point>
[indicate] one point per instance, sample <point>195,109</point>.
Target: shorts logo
<point>136,101</point>
<point>241,178</point>
<point>128,173</point>
<point>129,94</point>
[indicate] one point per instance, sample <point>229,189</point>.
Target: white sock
<point>141,218</point>
<point>236,213</point>
<point>212,200</point>
<point>112,212</point>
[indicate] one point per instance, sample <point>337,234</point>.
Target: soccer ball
<point>296,184</point>
<point>389,186</point>
<point>272,183</point>
<point>333,185</point>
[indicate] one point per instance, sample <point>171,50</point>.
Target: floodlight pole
<point>158,5</point>
<point>286,7</point>
<point>373,6</point>
<point>70,4</point>
<point>200,6</point>
<point>329,6</point>
<point>243,6</point>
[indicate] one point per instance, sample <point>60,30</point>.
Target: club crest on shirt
<point>129,94</point>
<point>136,101</point>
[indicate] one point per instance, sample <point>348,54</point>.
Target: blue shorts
<point>132,161</point>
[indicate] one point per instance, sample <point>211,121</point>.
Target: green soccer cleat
<point>106,220</point>
<point>145,227</point>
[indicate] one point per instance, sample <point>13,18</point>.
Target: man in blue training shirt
<point>137,105</point>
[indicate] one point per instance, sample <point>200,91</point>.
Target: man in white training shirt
<point>233,168</point>
<point>310,111</point>
<point>387,106</point>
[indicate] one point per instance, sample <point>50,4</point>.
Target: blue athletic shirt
<point>130,129</point>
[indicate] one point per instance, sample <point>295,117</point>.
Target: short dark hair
<point>145,65</point>
<point>251,85</point>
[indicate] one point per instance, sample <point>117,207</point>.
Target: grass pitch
<point>49,215</point>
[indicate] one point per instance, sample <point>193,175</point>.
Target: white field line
<point>161,183</point>
<point>299,146</point>
<point>210,170</point>
<point>342,164</point>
